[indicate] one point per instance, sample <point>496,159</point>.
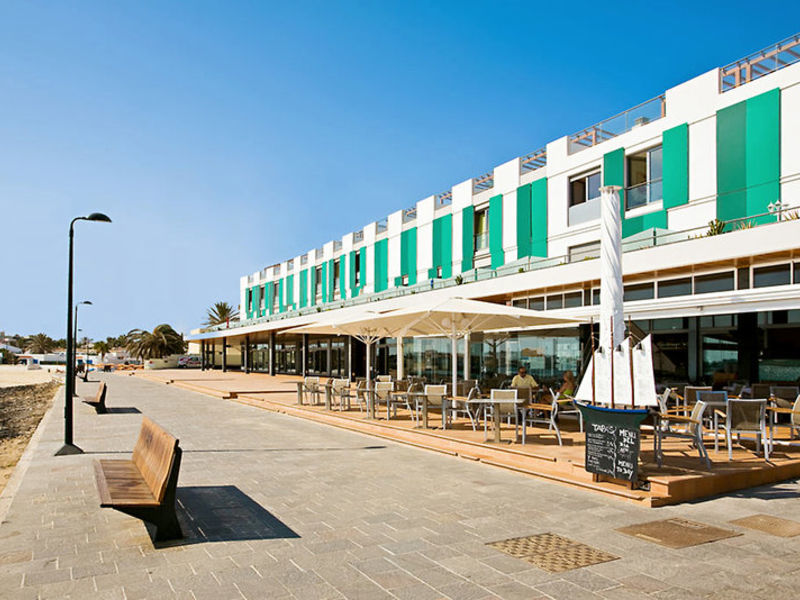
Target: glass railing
<point>481,241</point>
<point>643,194</point>
<point>646,112</point>
<point>766,61</point>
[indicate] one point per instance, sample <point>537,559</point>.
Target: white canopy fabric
<point>452,317</point>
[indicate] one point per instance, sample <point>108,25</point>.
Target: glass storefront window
<point>675,287</point>
<point>259,357</point>
<point>716,282</point>
<point>720,357</point>
<point>573,299</point>
<point>639,291</point>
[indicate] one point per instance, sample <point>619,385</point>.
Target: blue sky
<point>222,137</point>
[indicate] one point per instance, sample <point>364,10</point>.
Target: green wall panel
<point>268,300</point>
<point>539,218</point>
<point>362,267</point>
<point>303,288</point>
<point>312,286</point>
<point>331,282</point>
<point>731,175</point>
<point>290,305</point>
<point>381,265</point>
<point>524,222</point>
<point>496,231</point>
<point>281,296</point>
<point>675,149</point>
<point>763,153</point>
<point>324,282</point>
<point>343,276</point>
<point>467,238</point>
<point>408,255</point>
<point>442,247</point>
<point>257,301</point>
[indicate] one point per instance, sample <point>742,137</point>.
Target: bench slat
<point>153,456</point>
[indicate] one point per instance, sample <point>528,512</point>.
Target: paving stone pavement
<point>277,507</point>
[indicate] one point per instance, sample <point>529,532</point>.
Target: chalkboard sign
<point>612,441</point>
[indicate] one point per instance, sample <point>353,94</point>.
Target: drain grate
<point>552,552</point>
<point>771,525</point>
<point>678,533</point>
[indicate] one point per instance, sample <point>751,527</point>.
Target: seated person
<point>524,382</point>
<point>568,385</point>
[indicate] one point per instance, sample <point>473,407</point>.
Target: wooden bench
<point>99,400</point>
<point>144,487</point>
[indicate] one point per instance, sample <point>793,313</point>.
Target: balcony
<point>443,199</point>
<point>383,225</point>
<point>643,194</point>
<point>409,214</point>
<point>483,183</point>
<point>644,113</point>
<point>533,161</point>
<point>583,212</point>
<point>481,242</point>
<point>758,64</point>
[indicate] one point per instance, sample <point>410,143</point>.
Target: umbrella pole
<point>454,352</point>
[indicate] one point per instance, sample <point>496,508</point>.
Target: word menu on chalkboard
<point>612,441</point>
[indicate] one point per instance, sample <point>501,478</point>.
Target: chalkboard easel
<point>612,441</point>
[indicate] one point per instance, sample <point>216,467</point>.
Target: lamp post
<point>75,343</point>
<point>69,447</point>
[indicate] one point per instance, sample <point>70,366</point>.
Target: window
<point>536,303</point>
<point>584,251</point>
<point>318,283</point>
<point>262,302</point>
<point>556,301</point>
<point>573,299</point>
<point>358,268</point>
<point>773,275</point>
<point>481,229</point>
<point>520,303</point>
<point>249,300</point>
<point>336,277</point>
<point>716,282</point>
<point>742,278</point>
<point>675,287</point>
<point>584,188</point>
<point>275,297</point>
<point>644,178</point>
<point>640,291</point>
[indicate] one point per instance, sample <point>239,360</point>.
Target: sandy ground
<point>21,409</point>
<point>12,375</point>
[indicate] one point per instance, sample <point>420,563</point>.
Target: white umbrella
<point>453,318</point>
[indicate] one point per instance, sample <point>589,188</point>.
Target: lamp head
<point>85,302</point>
<point>96,216</point>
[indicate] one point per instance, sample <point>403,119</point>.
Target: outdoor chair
<point>568,408</point>
<point>717,403</point>
<point>794,418</point>
<point>400,397</point>
<point>682,427</point>
<point>541,413</point>
<point>690,395</point>
<point>784,395</point>
<point>497,406</point>
<point>311,387</point>
<point>746,416</point>
<point>383,378</point>
<point>436,398</point>
<point>341,390</point>
<point>383,394</point>
<point>760,390</point>
<point>361,395</point>
<point>468,407</point>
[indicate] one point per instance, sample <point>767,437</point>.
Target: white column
<point>610,268</point>
<point>400,365</point>
<point>466,357</point>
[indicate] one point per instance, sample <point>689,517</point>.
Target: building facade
<point>709,173</point>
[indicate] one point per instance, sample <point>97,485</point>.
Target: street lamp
<point>69,447</point>
<point>75,343</point>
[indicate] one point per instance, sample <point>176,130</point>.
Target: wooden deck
<point>683,476</point>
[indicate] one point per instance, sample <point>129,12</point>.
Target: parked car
<point>189,362</point>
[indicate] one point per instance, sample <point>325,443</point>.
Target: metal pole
<point>69,387</point>
<point>224,354</point>
<point>75,354</point>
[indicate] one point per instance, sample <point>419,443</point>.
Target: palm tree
<point>102,348</point>
<point>160,342</point>
<point>221,312</point>
<point>40,343</point>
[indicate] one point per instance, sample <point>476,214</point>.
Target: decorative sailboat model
<point>618,386</point>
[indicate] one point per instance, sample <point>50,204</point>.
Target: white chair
<point>383,393</point>
<point>543,414</point>
<point>468,407</point>
<point>341,388</point>
<point>567,407</point>
<point>746,416</point>
<point>383,378</point>
<point>311,387</point>
<point>436,397</point>
<point>497,406</point>
<point>689,428</point>
<point>794,418</point>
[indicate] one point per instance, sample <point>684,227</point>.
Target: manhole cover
<point>552,552</point>
<point>771,525</point>
<point>678,533</point>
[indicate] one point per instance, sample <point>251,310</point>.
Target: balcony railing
<point>383,225</point>
<point>358,236</point>
<point>481,241</point>
<point>318,253</point>
<point>533,161</point>
<point>409,214</point>
<point>443,199</point>
<point>304,259</point>
<point>644,113</point>
<point>643,194</point>
<point>758,64</point>
<point>583,212</point>
<point>483,183</point>
<point>290,264</point>
<point>337,245</point>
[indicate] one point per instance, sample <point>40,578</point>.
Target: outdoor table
<point>487,401</point>
<point>421,397</point>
